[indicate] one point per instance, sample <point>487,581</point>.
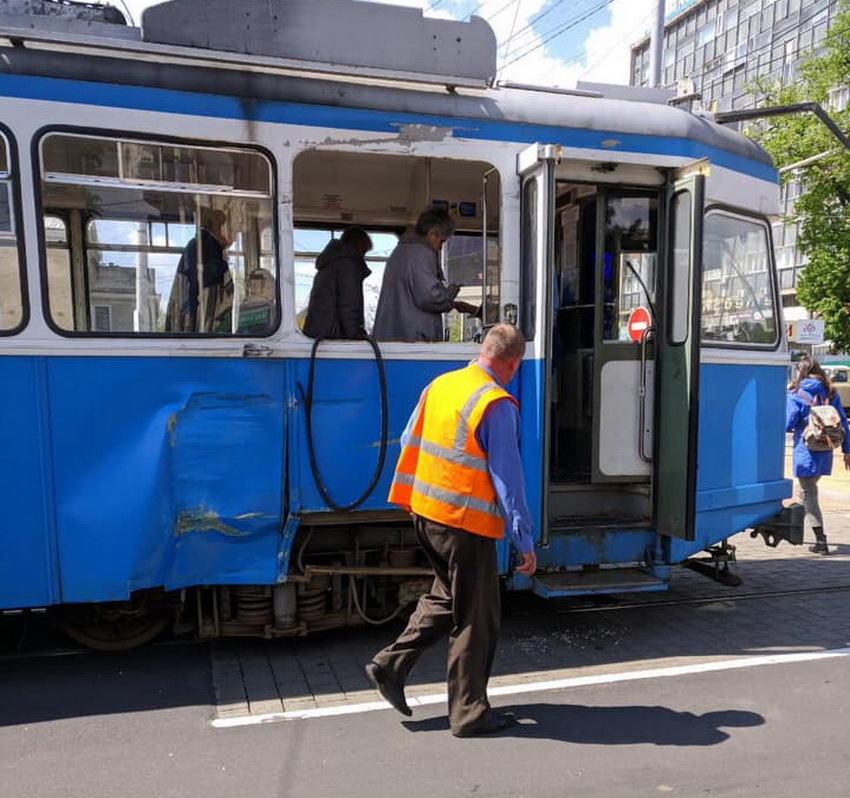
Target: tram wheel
<point>114,625</point>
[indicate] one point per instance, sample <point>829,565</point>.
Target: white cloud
<point>603,56</point>
<point>608,49</point>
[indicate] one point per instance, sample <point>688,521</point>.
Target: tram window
<point>464,259</point>
<point>384,194</point>
<point>737,283</point>
<point>680,284</point>
<point>628,268</point>
<point>125,220</point>
<point>11,299</point>
<point>59,272</point>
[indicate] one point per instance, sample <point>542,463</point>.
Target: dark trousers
<point>464,604</point>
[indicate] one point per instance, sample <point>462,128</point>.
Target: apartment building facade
<point>716,50</point>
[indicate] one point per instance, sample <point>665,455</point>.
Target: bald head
<point>502,350</point>
<point>503,342</point>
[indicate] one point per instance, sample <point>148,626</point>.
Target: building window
<point>103,318</point>
<point>705,33</point>
<point>838,98</point>
<point>735,57</point>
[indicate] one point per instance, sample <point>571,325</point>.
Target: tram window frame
<point>157,183</point>
<point>766,267</point>
<point>14,296</point>
<point>331,191</point>
<point>528,258</point>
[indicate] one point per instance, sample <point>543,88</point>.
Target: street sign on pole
<point>806,331</point>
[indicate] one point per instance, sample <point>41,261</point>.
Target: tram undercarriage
<point>341,577</point>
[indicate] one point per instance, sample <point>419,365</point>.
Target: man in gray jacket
<point>414,294</point>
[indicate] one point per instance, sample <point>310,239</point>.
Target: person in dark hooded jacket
<point>335,309</point>
<point>811,386</point>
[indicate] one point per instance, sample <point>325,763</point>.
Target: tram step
<point>572,524</point>
<point>606,580</point>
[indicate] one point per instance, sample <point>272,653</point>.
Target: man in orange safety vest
<point>460,476</point>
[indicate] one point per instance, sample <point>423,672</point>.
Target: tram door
<point>675,450</point>
<point>608,374</point>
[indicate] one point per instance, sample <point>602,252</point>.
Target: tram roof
<point>260,51</point>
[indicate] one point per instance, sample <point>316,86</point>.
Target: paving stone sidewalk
<point>790,600</point>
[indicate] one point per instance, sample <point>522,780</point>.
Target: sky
<point>545,42</point>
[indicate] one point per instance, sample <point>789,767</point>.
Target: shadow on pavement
<point>157,677</point>
<point>628,725</point>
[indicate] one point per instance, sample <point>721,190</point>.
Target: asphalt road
<point>708,695</point>
<point>137,726</point>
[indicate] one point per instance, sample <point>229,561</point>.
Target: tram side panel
<point>740,479</point>
<point>346,431</point>
<point>346,427</point>
<point>167,472</point>
<point>28,572</point>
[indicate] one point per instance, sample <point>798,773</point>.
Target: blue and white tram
<point>225,473</point>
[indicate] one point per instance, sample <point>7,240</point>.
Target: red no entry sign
<point>639,321</point>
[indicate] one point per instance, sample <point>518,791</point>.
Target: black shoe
<point>494,722</point>
<point>391,690</point>
<point>819,548</point>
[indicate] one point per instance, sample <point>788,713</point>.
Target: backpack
<point>824,431</point>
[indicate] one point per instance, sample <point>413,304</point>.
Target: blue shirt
<point>498,435</point>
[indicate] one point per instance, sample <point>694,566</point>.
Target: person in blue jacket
<point>812,386</point>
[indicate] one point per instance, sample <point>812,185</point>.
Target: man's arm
<point>498,435</point>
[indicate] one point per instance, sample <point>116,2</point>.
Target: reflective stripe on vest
<point>442,471</point>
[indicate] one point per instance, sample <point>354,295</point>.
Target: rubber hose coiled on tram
<point>308,415</point>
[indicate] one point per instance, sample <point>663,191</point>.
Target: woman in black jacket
<point>335,309</point>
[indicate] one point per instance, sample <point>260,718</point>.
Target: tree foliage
<point>823,210</point>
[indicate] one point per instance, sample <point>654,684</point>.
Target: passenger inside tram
<point>200,301</point>
<point>335,309</point>
<point>414,293</point>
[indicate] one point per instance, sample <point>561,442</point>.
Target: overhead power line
<point>555,32</point>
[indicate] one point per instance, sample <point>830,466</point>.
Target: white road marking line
<point>537,687</point>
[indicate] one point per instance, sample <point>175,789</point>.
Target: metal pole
<point>142,314</point>
<point>656,45</point>
<point>726,117</point>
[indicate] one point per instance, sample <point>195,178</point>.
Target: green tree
<point>823,210</point>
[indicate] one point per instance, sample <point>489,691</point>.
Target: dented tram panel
<point>164,473</point>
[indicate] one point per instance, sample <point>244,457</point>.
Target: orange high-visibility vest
<point>442,472</point>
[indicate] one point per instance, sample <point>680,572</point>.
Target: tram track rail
<point>692,600</point>
<point>49,649</point>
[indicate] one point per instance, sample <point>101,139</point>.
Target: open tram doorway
<point>615,250</point>
<point>603,289</point>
